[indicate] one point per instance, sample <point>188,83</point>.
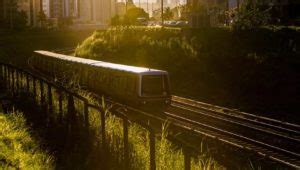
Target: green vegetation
<point>130,17</point>
<point>18,149</point>
<point>17,19</point>
<point>75,148</point>
<point>167,155</point>
<point>250,16</point>
<point>254,71</point>
<point>168,14</point>
<point>78,150</point>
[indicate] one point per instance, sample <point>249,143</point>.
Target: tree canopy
<point>133,14</point>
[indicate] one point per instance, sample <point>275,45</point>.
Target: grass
<point>18,149</point>
<point>85,152</point>
<point>167,155</point>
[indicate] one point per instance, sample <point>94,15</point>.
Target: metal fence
<point>45,93</point>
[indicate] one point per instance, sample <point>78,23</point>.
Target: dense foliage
<point>249,16</point>
<point>18,150</point>
<point>254,71</point>
<point>131,17</point>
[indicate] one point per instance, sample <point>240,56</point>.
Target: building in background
<point>203,13</point>
<point>30,7</point>
<point>1,11</point>
<point>46,7</point>
<point>89,11</point>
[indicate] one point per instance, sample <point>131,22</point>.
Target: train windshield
<point>155,85</point>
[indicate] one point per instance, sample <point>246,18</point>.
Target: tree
<point>20,20</point>
<point>115,20</point>
<point>168,14</point>
<point>132,14</point>
<point>249,16</point>
<point>12,7</point>
<point>63,23</point>
<point>42,18</point>
<point>15,20</point>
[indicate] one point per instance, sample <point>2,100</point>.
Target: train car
<point>133,85</point>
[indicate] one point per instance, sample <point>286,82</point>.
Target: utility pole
<point>31,12</point>
<point>152,8</point>
<point>11,17</point>
<point>92,10</point>
<point>162,12</point>
<point>78,8</point>
<point>41,13</point>
<point>12,4</point>
<point>147,7</point>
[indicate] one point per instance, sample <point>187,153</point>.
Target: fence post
<point>13,81</point>
<point>9,78</point>
<point>1,72</point>
<point>42,93</point>
<point>27,83</point>
<point>105,156</point>
<point>60,105</point>
<point>34,87</point>
<point>5,77</point>
<point>22,81</point>
<point>71,112</point>
<point>17,82</point>
<point>86,114</point>
<point>187,159</point>
<point>50,103</point>
<point>103,127</point>
<point>152,149</point>
<point>126,148</point>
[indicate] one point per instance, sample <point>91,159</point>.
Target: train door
<point>131,87</point>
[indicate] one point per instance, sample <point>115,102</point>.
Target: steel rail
<point>243,138</point>
<point>183,125</point>
<point>281,128</point>
<point>236,123</point>
<point>207,106</point>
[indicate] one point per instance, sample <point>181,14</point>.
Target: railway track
<point>276,140</point>
<point>273,139</point>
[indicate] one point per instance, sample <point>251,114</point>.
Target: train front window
<point>154,85</point>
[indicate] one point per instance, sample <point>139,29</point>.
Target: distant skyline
<point>136,2</point>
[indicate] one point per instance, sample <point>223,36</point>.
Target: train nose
<point>168,102</point>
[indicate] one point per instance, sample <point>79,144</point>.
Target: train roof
<point>98,63</point>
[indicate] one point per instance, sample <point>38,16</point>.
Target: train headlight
<point>167,101</point>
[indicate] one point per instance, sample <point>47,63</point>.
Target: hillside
<point>252,71</point>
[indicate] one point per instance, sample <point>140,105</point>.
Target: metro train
<point>132,85</point>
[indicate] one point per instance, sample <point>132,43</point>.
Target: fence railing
<point>52,97</point>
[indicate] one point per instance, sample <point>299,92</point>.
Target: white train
<point>133,85</point>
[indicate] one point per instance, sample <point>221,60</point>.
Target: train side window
<point>131,84</point>
<point>117,81</point>
<point>123,83</point>
<point>85,77</point>
<point>94,75</point>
